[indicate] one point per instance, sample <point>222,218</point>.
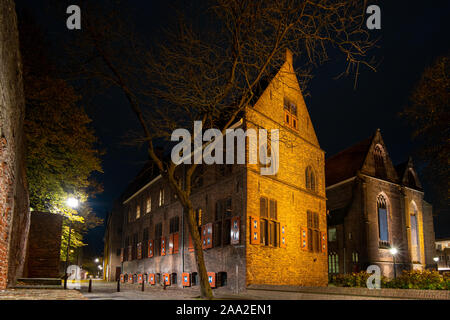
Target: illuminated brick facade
<point>255,228</point>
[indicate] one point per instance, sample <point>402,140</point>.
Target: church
<point>373,207</point>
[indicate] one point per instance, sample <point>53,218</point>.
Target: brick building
<point>374,206</point>
<point>14,206</point>
<point>443,254</point>
<point>256,229</point>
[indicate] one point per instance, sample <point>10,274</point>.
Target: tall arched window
<point>378,155</point>
<point>382,221</point>
<point>414,230</point>
<point>310,179</point>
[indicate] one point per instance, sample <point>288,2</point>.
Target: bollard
<point>118,285</point>
<point>90,285</point>
<point>142,288</point>
<point>65,282</point>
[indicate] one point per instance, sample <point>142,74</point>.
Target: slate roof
<point>346,163</point>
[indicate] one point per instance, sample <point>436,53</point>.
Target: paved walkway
<point>41,294</point>
<point>108,291</point>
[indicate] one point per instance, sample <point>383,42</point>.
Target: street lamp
<point>72,203</point>
<point>97,260</point>
<point>393,252</point>
<point>436,259</point>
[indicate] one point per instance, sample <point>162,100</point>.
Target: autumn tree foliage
<point>61,146</point>
<point>428,113</point>
<point>208,63</point>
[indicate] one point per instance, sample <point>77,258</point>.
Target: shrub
<point>413,279</point>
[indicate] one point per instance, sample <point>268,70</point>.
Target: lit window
<point>333,263</point>
<point>310,179</point>
<point>148,206</point>
<point>138,211</point>
<point>161,197</point>
<point>332,234</point>
<point>382,221</point>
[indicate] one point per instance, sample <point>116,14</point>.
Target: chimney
<point>289,56</point>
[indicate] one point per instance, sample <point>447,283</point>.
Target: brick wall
<point>44,244</point>
<point>14,213</point>
<point>297,150</point>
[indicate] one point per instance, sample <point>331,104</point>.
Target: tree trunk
<point>205,288</point>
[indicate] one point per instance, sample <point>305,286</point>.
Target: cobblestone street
<point>102,290</point>
<point>41,294</point>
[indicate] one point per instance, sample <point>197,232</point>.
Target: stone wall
<point>298,149</point>
<point>14,205</point>
<point>44,245</point>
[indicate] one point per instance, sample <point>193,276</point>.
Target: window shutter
<point>324,242</point>
<point>170,251</point>
<point>212,279</point>
<point>186,279</point>
<point>121,254</point>
<point>209,233</point>
<point>130,279</point>
<point>191,244</point>
<point>129,253</point>
<point>122,278</point>
<point>235,225</point>
<point>151,278</point>
<point>140,278</point>
<point>163,246</point>
<point>167,279</point>
<point>150,248</point>
<point>203,236</point>
<point>175,242</point>
<point>304,239</point>
<point>139,250</point>
<point>283,236</point>
<point>254,230</point>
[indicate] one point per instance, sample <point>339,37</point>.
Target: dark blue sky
<point>413,34</point>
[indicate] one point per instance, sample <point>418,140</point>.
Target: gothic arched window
<point>382,220</point>
<point>310,179</point>
<point>414,233</point>
<point>378,155</point>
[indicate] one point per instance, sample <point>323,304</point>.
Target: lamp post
<point>393,252</point>
<point>72,203</point>
<point>436,259</point>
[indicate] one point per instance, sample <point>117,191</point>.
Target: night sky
<point>412,35</point>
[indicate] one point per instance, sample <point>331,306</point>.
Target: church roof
<point>346,163</point>
<point>401,167</point>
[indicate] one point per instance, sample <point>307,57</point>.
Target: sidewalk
<point>41,294</point>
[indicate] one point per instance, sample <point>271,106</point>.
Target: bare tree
<point>209,65</point>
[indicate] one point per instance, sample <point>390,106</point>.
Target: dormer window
<point>290,114</point>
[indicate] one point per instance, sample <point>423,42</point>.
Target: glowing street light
<point>72,202</point>
<point>394,251</point>
<point>97,260</point>
<point>436,259</point>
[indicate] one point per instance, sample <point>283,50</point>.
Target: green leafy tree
<point>61,145</point>
<point>429,115</point>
